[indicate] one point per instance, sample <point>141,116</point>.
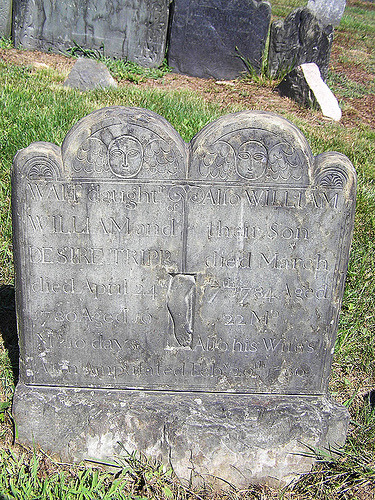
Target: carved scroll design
<point>161,158</point>
<point>218,161</point>
<point>156,26</point>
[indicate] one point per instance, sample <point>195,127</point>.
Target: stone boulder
<point>88,74</point>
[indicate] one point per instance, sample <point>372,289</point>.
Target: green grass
<point>340,84</point>
<point>281,9</point>
<point>22,478</point>
<point>5,43</point>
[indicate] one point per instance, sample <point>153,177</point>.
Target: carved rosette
<point>40,161</point>
<point>334,171</point>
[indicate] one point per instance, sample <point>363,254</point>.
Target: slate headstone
<point>134,30</point>
<point>300,38</point>
<point>5,18</point>
<point>181,299</point>
<point>327,11</point>
<point>212,38</point>
<point>88,74</point>
<point>305,86</point>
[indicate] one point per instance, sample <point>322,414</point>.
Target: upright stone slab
<point>300,38</point>
<point>181,299</point>
<point>304,85</point>
<point>328,12</point>
<point>5,18</point>
<point>131,29</point>
<point>208,37</point>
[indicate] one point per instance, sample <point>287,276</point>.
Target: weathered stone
<point>241,439</point>
<point>208,38</point>
<point>328,12</point>
<point>305,86</point>
<point>198,285</point>
<point>88,74</point>
<point>5,18</point>
<point>134,30</point>
<point>300,38</point>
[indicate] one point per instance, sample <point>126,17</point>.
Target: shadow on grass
<point>8,326</point>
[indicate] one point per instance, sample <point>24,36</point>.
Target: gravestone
<point>208,38</point>
<point>88,74</point>
<point>134,29</point>
<point>181,299</point>
<point>299,38</point>
<point>5,18</point>
<point>328,12</point>
<point>304,85</point>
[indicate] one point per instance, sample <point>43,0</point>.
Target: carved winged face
<point>252,160</point>
<point>125,156</point>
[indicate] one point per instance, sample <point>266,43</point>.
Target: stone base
<point>240,438</point>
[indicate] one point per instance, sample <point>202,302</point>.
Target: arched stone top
<point>124,143</point>
<point>253,147</point>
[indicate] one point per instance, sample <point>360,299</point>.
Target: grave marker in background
<point>208,37</point>
<point>5,18</point>
<point>329,12</point>
<point>134,30</point>
<point>299,38</point>
<point>200,289</point>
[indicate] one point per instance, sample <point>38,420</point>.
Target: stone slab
<point>204,271</point>
<point>207,37</point>
<point>328,12</point>
<point>242,440</point>
<point>299,38</point>
<point>5,18</point>
<point>305,86</point>
<point>131,29</point>
<point>88,74</point>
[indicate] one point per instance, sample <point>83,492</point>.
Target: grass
<point>34,106</point>
<point>24,477</point>
<point>120,69</point>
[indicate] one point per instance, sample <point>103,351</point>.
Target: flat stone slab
<point>299,38</point>
<point>305,86</point>
<point>207,37</point>
<point>88,74</point>
<point>134,30</point>
<point>238,439</point>
<point>154,276</point>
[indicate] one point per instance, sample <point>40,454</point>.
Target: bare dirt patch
<point>37,60</point>
<point>243,94</point>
